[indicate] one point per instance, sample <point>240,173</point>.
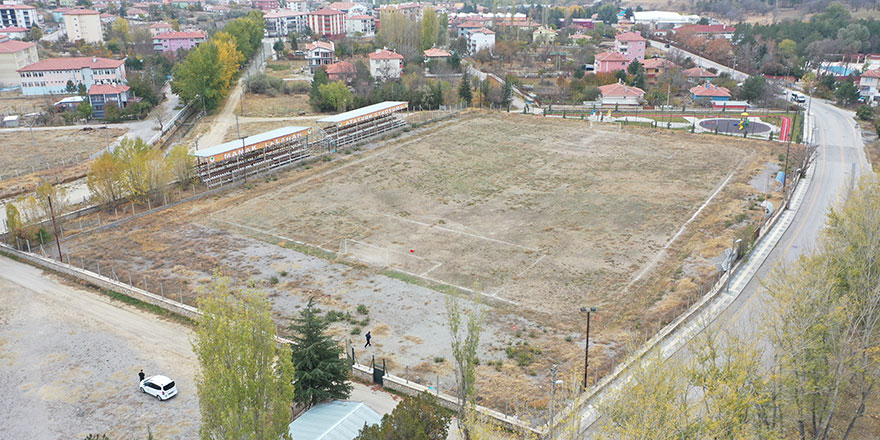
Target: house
<point>698,74</point>
<point>320,53</point>
<point>333,420</point>
<point>581,23</point>
<point>283,22</point>
<point>436,54</point>
<point>711,92</point>
<point>468,26</point>
<point>297,5</point>
<point>543,35</point>
<point>14,55</point>
<point>100,95</point>
<point>327,23</point>
<point>480,39</point>
<point>631,44</point>
<point>620,94</point>
<point>657,20</point>
<point>83,24</point>
<point>580,38</point>
<point>23,16</point>
<point>708,31</point>
<point>341,71</point>
<point>610,62</point>
<point>160,28</point>
<point>217,9</point>
<point>869,86</point>
<point>655,67</point>
<point>174,41</point>
<point>13,33</point>
<point>360,26</point>
<point>136,13</point>
<point>385,64</point>
<point>50,76</point>
<point>265,5</point>
<point>350,8</point>
<point>107,18</point>
<point>66,3</point>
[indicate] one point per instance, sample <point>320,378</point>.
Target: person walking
<point>368,336</point>
<point>141,376</point>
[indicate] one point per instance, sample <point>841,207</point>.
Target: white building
<point>350,8</point>
<point>869,87</point>
<point>282,22</point>
<point>360,25</point>
<point>663,19</point>
<point>297,5</point>
<point>23,16</point>
<point>385,64</point>
<point>83,24</point>
<point>479,39</point>
<point>320,53</point>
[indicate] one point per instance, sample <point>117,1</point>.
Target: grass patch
<point>145,306</point>
<point>407,278</point>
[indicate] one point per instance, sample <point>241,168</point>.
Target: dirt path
<point>69,360</point>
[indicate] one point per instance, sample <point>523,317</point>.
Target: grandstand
<point>357,125</point>
<point>236,160</point>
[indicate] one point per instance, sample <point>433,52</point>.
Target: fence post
<point>145,283</point>
<point>161,289</point>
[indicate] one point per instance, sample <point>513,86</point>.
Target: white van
<point>798,98</point>
<point>159,387</point>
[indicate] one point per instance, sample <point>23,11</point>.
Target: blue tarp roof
<point>336,420</point>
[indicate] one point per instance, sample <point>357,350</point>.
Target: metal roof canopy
<point>336,420</point>
<point>344,118</point>
<point>250,140</point>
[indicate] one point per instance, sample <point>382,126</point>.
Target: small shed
<point>10,121</point>
<point>336,420</point>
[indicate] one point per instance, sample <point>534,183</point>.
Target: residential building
<point>655,67</point>
<point>610,62</point>
<point>297,5</point>
<point>217,9</point>
<point>327,23</point>
<point>412,11</point>
<point>436,54</point>
<point>341,71</point>
<point>175,41</point>
<point>710,91</point>
<point>13,33</point>
<point>468,26</point>
<point>708,31</point>
<point>620,94</point>
<point>663,19</point>
<point>544,35</point>
<point>698,75</point>
<point>160,28</point>
<point>579,38</point>
<point>320,53</point>
<point>66,3</point>
<point>631,44</point>
<point>24,16</point>
<point>14,55</point>
<point>50,76</point>
<point>100,95</point>
<point>385,64</point>
<point>360,25</point>
<point>480,39</point>
<point>136,13</point>
<point>350,8</point>
<point>283,22</point>
<point>869,86</point>
<point>266,5</point>
<point>83,24</point>
<point>580,23</point>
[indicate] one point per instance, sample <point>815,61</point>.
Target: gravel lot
<point>69,359</point>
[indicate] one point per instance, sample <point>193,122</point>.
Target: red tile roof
<point>611,56</point>
<point>12,46</point>
<point>657,63</point>
<point>618,89</point>
<point>160,25</point>
<point>698,72</point>
<point>73,63</point>
<point>710,90</point>
<point>181,35</point>
<point>16,7</point>
<point>384,54</point>
<point>483,30</point>
<point>340,67</point>
<point>12,29</point>
<point>436,53</point>
<point>342,6</point>
<point>81,12</point>
<point>630,36</point>
<point>470,24</point>
<point>872,74</point>
<point>708,28</point>
<point>107,89</point>
<point>326,45</point>
<point>326,11</point>
<point>281,13</point>
<point>360,17</point>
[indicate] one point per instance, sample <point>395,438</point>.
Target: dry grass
<point>14,103</point>
<point>285,68</point>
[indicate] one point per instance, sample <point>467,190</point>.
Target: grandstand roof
<point>256,141</point>
<point>364,113</point>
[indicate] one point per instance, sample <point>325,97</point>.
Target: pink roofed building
<point>869,86</point>
<point>385,64</point>
<point>711,92</point>
<point>174,41</point>
<point>50,76</point>
<point>320,53</point>
<point>698,74</point>
<point>708,31</point>
<point>266,5</point>
<point>631,44</point>
<point>655,67</point>
<point>102,95</point>
<point>620,94</point>
<point>13,33</point>
<point>607,62</point>
<point>341,71</point>
<point>160,28</point>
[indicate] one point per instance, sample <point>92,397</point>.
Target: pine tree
<point>320,371</point>
<point>507,92</point>
<point>464,89</point>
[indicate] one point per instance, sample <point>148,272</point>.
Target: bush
<point>865,113</point>
<point>263,84</point>
<point>362,309</point>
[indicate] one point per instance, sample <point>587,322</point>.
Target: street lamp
<point>588,310</point>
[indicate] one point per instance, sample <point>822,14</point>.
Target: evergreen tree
<point>316,100</point>
<point>506,93</point>
<point>320,371</point>
<point>464,89</point>
<point>847,93</point>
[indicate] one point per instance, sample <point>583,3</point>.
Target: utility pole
<point>55,227</point>
<point>589,311</point>
<point>787,150</point>
<point>553,370</point>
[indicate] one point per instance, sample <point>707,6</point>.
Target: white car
<point>159,387</point>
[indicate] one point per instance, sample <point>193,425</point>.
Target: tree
<point>336,94</point>
<point>846,92</point>
<point>81,90</point>
<point>244,383</point>
<point>230,58</point>
<point>70,87</point>
<point>316,98</point>
<point>84,110</point>
<point>484,90</point>
<point>865,113</point>
<point>321,371</point>
<point>655,97</point>
<point>144,172</point>
<point>507,92</point>
<point>34,34</point>
<point>200,76</point>
<point>429,28</point>
<point>104,178</point>
<point>278,46</point>
<point>464,89</point>
<point>292,40</point>
<point>112,112</point>
<point>752,88</point>
<point>442,30</point>
<point>465,338</point>
<point>416,418</point>
<point>181,164</point>
<point>13,221</point>
<point>608,13</point>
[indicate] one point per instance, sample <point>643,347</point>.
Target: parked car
<point>160,387</point>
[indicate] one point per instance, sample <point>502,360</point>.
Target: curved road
<point>840,161</point>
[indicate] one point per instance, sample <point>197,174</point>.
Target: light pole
<point>733,251</point>
<point>589,311</point>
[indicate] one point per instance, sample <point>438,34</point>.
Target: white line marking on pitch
<point>431,269</point>
<point>531,265</point>
<point>461,233</point>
